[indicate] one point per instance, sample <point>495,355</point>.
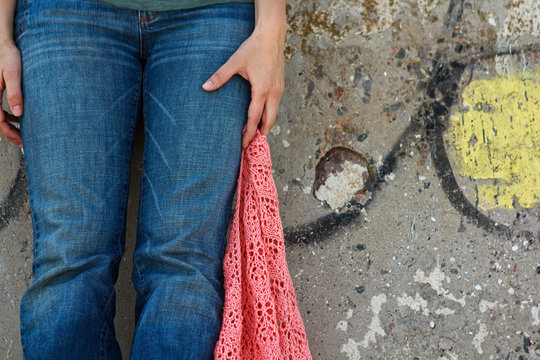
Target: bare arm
<point>10,73</point>
<point>7,13</point>
<point>260,61</point>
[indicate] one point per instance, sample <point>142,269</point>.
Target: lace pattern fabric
<point>260,314</point>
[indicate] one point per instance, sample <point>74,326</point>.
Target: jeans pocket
<point>20,19</point>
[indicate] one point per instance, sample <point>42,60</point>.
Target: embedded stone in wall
<point>340,175</point>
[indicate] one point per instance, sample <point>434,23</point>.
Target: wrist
<point>6,41</point>
<point>272,31</point>
<point>271,19</point>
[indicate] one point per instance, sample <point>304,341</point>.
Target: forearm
<point>7,13</point>
<point>271,19</point>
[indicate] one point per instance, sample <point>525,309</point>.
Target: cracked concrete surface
<point>421,268</point>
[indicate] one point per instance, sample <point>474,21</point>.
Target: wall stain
<point>314,21</point>
<point>360,18</point>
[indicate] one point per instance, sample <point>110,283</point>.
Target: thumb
<point>12,79</point>
<point>222,75</point>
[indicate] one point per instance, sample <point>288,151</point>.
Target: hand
<point>10,80</point>
<point>260,61</point>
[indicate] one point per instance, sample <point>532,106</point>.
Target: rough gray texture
<point>417,271</point>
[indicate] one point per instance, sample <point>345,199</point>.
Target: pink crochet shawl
<point>261,320</point>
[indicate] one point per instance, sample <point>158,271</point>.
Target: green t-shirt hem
<point>164,5</point>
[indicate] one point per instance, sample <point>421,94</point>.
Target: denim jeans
<point>89,71</point>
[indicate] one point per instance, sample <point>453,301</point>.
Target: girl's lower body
<point>90,72</point>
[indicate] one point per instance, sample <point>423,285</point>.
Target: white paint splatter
<point>435,279</point>
<point>444,311</point>
<point>375,326</point>
<point>276,130</point>
<point>415,303</point>
<point>339,188</point>
<point>351,349</point>
<point>535,312</point>
<point>486,305</point>
<point>344,324</point>
<point>480,337</point>
<point>491,21</point>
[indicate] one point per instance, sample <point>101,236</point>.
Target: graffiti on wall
<point>433,118</point>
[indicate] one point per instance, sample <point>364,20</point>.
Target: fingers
<point>222,75</point>
<point>264,104</point>
<point>12,79</point>
<point>9,131</point>
<point>269,115</point>
<point>254,116</point>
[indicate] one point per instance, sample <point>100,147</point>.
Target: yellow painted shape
<point>497,139</point>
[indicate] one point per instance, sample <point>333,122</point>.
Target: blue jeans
<point>89,71</point>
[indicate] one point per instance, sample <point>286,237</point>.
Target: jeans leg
<point>190,167</point>
<point>81,82</point>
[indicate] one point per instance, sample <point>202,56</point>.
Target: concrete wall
<point>417,237</point>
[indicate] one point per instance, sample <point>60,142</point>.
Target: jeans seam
<point>122,222</point>
<point>141,280</point>
<point>34,229</point>
<point>126,187</point>
<point>141,195</point>
<point>149,18</point>
<point>147,49</point>
<point>137,267</point>
<point>103,349</point>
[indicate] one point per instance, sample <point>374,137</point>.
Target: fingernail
<point>207,85</point>
<point>17,110</point>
